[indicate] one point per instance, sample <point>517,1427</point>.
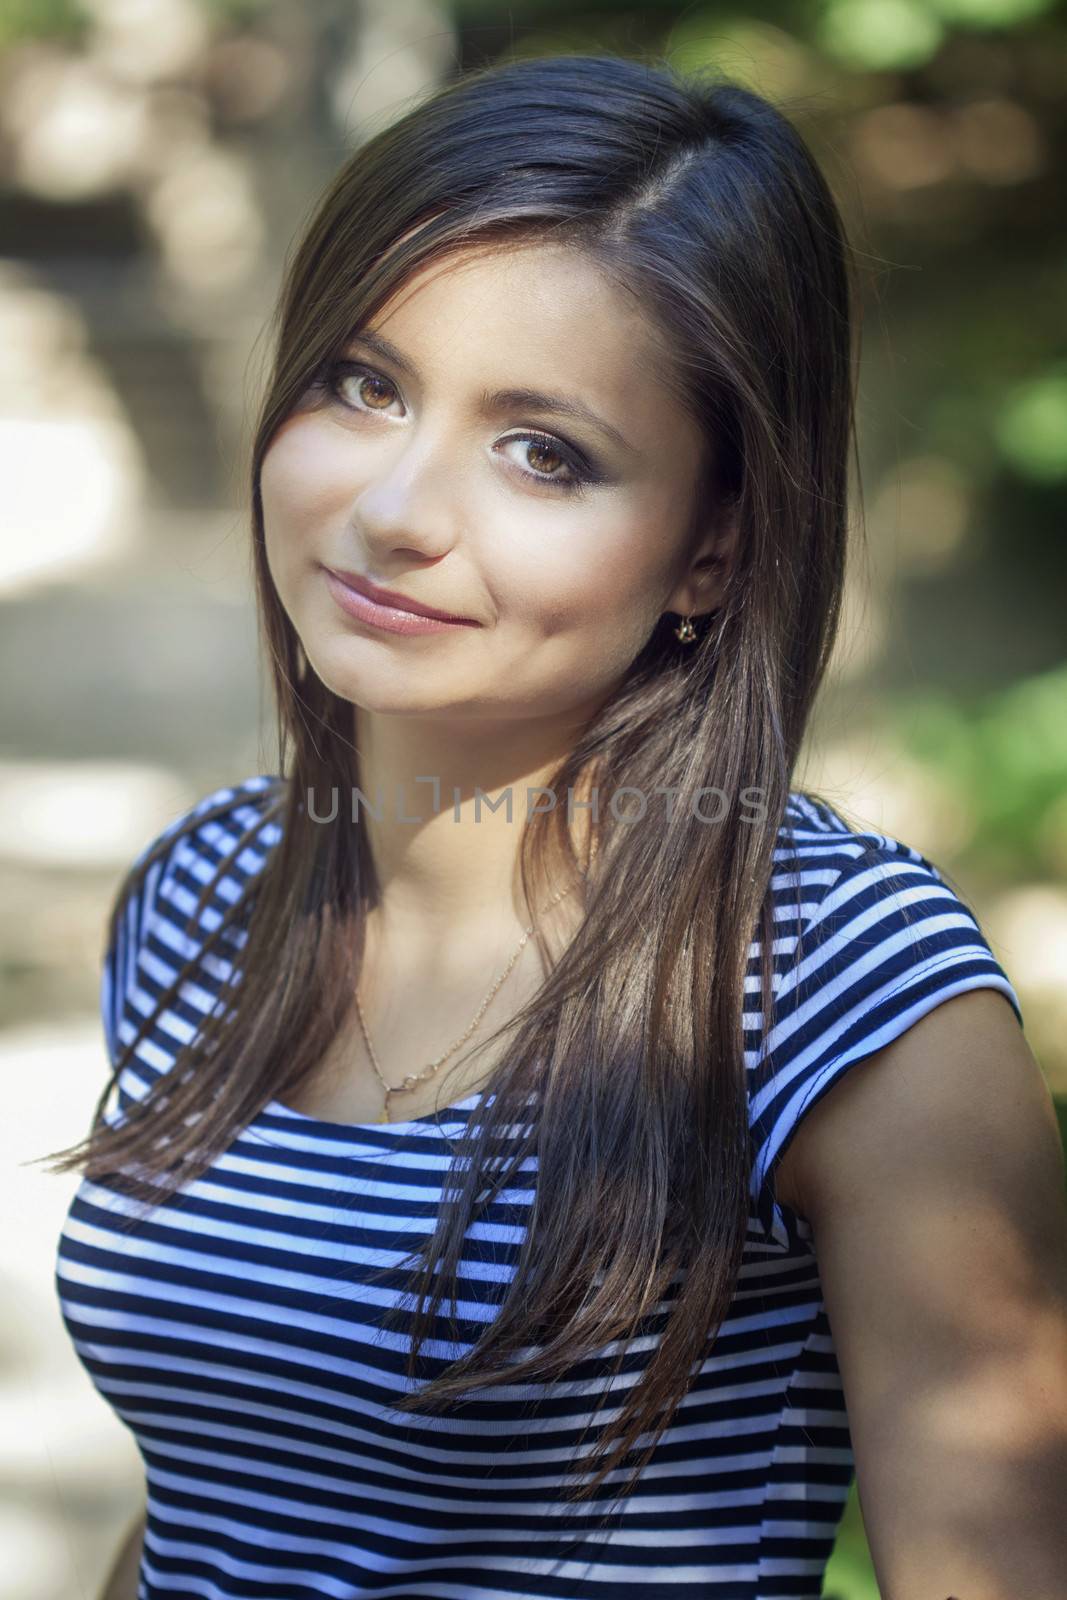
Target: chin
<point>382,690</point>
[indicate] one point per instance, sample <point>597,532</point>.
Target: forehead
<point>549,307</point>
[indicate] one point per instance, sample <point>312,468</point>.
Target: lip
<point>389,597</point>
<point>384,608</point>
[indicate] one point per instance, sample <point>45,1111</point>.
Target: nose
<point>407,503</point>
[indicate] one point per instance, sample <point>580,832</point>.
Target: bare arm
<point>934,1178</point>
<point>122,1581</point>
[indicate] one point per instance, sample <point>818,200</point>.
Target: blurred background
<point>156,159</point>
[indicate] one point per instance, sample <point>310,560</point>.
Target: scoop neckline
<point>279,1108</point>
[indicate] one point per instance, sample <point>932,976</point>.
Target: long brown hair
<point>700,198</point>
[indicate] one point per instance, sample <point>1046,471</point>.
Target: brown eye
<point>552,465</point>
<point>373,392</point>
<point>536,454</point>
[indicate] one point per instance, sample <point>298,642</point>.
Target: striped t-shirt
<point>236,1331</point>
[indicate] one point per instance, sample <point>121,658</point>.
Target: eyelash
<point>583,473</point>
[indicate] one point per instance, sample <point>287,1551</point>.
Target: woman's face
<point>559,535</point>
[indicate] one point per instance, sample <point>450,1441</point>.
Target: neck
<point>444,840</point>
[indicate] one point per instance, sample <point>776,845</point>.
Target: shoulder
<point>818,847</point>
<point>865,908</point>
<point>816,851</point>
<point>174,891</point>
<point>206,831</point>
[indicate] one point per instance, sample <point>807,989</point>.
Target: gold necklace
<point>413,1079</point>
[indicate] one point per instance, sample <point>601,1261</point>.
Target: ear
<point>702,588</point>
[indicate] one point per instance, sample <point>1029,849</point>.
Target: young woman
<point>489,1208</point>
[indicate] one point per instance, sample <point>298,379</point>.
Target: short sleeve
<point>128,936</point>
<point>147,942</point>
<point>888,942</point>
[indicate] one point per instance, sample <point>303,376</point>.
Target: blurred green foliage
<point>63,20</point>
<point>1006,759</point>
<point>1031,428</point>
<point>68,22</point>
<point>878,35</point>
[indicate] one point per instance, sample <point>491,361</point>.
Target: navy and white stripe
<point>238,1331</point>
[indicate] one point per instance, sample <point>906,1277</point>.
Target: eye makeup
<point>582,472</point>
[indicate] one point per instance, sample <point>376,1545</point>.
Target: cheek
<point>576,617</point>
<point>301,494</point>
<point>303,482</point>
<point>595,578</point>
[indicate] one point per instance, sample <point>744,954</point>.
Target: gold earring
<point>685,631</point>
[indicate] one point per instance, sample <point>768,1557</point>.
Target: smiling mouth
<point>394,601</point>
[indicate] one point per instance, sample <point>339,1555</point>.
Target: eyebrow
<point>494,401</point>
